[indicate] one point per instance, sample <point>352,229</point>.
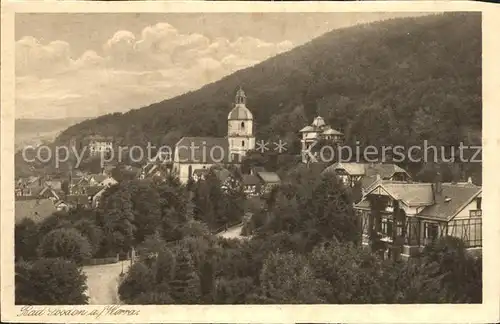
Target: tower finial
<point>240,96</point>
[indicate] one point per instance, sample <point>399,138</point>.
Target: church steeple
<point>241,98</point>
<point>240,126</point>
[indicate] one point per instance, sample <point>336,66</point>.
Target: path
<point>102,282</point>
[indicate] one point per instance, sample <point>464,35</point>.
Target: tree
<point>50,282</point>
<point>151,246</point>
<point>145,203</point>
<point>330,211</point>
<point>88,228</point>
<point>140,279</point>
<point>185,286</point>
<point>116,218</point>
<point>233,291</point>
<point>173,205</point>
<point>287,278</point>
<point>353,275</point>
<point>65,243</point>
<point>412,281</point>
<point>26,239</point>
<point>461,273</point>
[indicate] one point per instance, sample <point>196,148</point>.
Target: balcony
<point>475,213</point>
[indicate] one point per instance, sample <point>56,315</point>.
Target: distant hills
<point>36,131</point>
<point>399,81</point>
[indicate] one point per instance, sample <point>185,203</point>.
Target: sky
<point>86,65</point>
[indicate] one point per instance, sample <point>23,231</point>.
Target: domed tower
<point>240,126</point>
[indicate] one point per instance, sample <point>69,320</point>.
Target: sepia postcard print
<point>244,162</point>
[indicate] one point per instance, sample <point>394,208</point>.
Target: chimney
<point>469,180</point>
<point>378,177</point>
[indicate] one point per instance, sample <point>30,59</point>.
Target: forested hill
<point>397,81</point>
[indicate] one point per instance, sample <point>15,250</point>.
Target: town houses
<point>393,208</point>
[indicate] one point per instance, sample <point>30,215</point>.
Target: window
<point>478,203</point>
<point>387,226</point>
<point>243,143</point>
<point>431,231</point>
<point>242,126</point>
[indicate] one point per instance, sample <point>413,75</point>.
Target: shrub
<point>50,282</point>
<point>65,243</point>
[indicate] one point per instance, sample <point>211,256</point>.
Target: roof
<point>240,112</point>
<point>308,128</point>
<point>54,184</point>
<point>318,122</point>
<point>442,205</point>
<point>77,199</point>
<point>35,191</point>
<point>257,169</point>
<point>222,174</point>
<point>200,172</point>
<point>48,190</point>
<point>368,181</point>
<point>202,150</point>
<point>461,195</point>
<point>412,194</point>
<point>250,180</point>
<point>269,177</point>
<point>363,204</point>
<point>332,131</point>
<point>150,167</point>
<point>98,177</point>
<point>92,190</point>
<point>351,168</point>
<point>34,209</point>
<point>385,170</point>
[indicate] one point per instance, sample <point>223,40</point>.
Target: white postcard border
<point>486,312</point>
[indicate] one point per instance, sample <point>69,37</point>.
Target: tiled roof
<point>442,205</point>
<point>368,181</point>
<point>460,196</point>
<point>385,170</point>
<point>412,194</point>
<point>35,209</point>
<point>208,150</point>
<point>353,169</point>
<point>269,177</point>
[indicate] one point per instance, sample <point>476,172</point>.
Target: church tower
<point>240,126</point>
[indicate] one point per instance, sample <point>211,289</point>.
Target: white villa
<point>318,130</point>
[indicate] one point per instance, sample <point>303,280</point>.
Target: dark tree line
<point>305,249</point>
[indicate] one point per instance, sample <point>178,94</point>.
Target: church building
<point>201,153</point>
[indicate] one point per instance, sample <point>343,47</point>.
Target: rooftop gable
<point>202,150</point>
